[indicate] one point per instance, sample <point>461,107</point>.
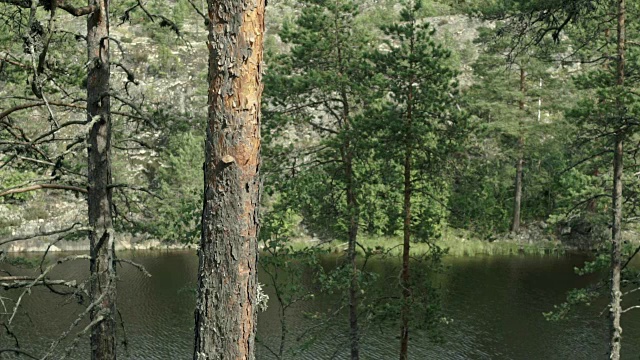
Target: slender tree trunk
<point>615,328</point>
<point>352,206</point>
<point>225,315</point>
<point>406,246</point>
<point>616,255</point>
<point>406,287</point>
<point>517,199</point>
<point>517,202</point>
<point>103,291</point>
<point>353,213</point>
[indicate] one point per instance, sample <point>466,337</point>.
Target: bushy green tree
<point>416,128</point>
<point>319,85</point>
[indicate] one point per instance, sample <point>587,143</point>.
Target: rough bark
<point>103,334</point>
<point>225,315</point>
<point>517,198</point>
<point>615,309</point>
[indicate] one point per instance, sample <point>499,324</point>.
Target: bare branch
<point>36,282</point>
<point>62,4</point>
<point>80,334</point>
<point>31,236</point>
<point>75,323</point>
<point>18,351</point>
<point>138,188</point>
<point>136,265</point>
<point>203,16</point>
<point>42,276</point>
<point>631,308</point>
<point>135,108</point>
<point>36,104</point>
<point>43,186</point>
<point>80,11</point>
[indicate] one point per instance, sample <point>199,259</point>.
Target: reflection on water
<point>495,303</point>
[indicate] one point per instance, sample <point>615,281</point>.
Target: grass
<point>457,243</point>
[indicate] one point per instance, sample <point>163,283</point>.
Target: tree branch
<point>31,236</point>
<point>44,186</point>
<point>18,351</point>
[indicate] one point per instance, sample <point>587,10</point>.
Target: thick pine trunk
<point>103,333</point>
<point>225,315</point>
<point>615,314</point>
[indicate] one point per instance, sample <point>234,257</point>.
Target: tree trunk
<point>225,315</point>
<point>406,247</point>
<point>103,291</point>
<point>353,214</point>
<point>616,255</point>
<point>615,328</point>
<point>517,201</point>
<point>517,198</point>
<point>352,206</point>
<point>406,287</point>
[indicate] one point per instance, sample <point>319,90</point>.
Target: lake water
<point>495,304</point>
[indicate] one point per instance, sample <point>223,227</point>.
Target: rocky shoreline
<point>35,245</point>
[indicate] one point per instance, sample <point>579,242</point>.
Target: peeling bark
<point>225,315</point>
<point>103,334</point>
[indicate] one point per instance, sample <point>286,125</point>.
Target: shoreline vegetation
<point>457,245</point>
<point>454,246</point>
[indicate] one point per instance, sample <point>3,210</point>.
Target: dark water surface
<point>495,304</point>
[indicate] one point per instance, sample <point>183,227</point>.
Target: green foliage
<point>295,275</point>
<point>517,113</point>
<point>167,63</point>
<point>12,178</point>
<point>416,117</point>
<point>600,267</point>
<point>180,183</point>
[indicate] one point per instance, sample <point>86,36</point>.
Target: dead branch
<point>62,4</point>
<point>203,16</point>
<point>135,108</point>
<point>41,282</point>
<point>16,278</point>
<point>43,186</point>
<point>80,334</point>
<point>61,126</point>
<point>38,279</point>
<point>631,308</point>
<point>75,323</point>
<point>36,104</point>
<point>125,341</point>
<point>136,265</point>
<point>18,351</point>
<point>80,11</point>
<point>31,236</point>
<point>138,188</point>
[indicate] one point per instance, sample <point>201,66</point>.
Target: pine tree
<point>419,128</point>
<point>320,85</point>
<point>226,307</point>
